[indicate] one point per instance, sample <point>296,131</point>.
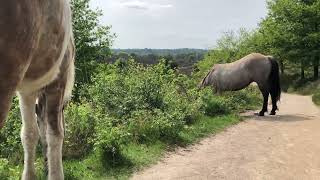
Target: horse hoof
<point>273,113</point>
<point>261,113</point>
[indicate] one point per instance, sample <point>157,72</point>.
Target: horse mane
<point>202,82</point>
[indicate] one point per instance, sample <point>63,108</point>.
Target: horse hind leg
<point>265,94</point>
<point>55,130</point>
<point>274,103</point>
<point>42,123</point>
<point>29,133</point>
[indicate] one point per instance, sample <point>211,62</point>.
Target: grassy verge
<point>309,89</point>
<point>306,87</point>
<point>316,98</point>
<point>137,156</point>
<point>134,157</point>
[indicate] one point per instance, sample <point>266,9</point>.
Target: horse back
<point>239,74</point>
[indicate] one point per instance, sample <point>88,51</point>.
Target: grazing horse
<point>37,62</point>
<point>255,67</point>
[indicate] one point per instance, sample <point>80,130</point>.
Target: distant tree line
<point>159,52</point>
<point>181,59</point>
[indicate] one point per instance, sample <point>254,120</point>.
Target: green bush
<point>245,99</point>
<point>316,98</point>
<point>228,102</point>
<point>141,103</point>
<point>80,122</point>
<point>8,172</point>
<point>10,146</point>
<point>214,105</point>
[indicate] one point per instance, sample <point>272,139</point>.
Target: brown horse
<point>36,58</point>
<point>255,67</point>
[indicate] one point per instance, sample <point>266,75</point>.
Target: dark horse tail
<point>274,79</point>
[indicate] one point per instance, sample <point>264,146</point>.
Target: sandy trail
<point>286,146</point>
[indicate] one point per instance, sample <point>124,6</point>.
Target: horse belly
<point>233,80</point>
<point>19,22</point>
<point>31,85</point>
<point>54,37</point>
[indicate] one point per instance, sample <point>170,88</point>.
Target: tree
<point>92,40</point>
<point>292,28</point>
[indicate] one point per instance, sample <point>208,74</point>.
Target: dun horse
<point>36,60</point>
<point>264,70</point>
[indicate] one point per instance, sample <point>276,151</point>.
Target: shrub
<point>109,141</point>
<point>7,171</point>
<point>141,103</point>
<point>214,105</point>
<point>228,102</point>
<point>10,146</point>
<point>316,98</point>
<point>80,121</point>
<point>245,99</point>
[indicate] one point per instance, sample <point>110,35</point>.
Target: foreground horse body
<point>36,58</point>
<point>255,67</point>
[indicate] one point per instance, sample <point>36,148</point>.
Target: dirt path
<point>286,146</point>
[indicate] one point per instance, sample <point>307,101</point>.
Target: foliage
<point>92,41</point>
<point>292,28</point>
<point>7,171</point>
<point>80,130</point>
<point>141,103</point>
<point>214,105</point>
<point>316,98</point>
<point>10,146</point>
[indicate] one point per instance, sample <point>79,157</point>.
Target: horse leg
<point>9,79</point>
<point>29,133</point>
<point>274,103</point>
<point>55,130</point>
<point>265,104</point>
<point>5,103</point>
<point>42,123</point>
<point>265,94</point>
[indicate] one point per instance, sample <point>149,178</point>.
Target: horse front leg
<point>29,133</point>
<point>5,103</point>
<point>55,131</point>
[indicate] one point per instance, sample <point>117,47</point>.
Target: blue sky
<point>177,23</point>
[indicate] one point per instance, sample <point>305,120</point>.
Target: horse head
<point>206,80</point>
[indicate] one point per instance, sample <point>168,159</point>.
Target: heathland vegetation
<point>125,114</point>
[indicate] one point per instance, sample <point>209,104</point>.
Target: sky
<point>172,24</point>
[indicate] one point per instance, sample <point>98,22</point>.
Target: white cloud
<point>142,5</point>
<point>135,5</point>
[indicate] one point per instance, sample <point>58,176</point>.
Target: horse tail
<point>274,78</point>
